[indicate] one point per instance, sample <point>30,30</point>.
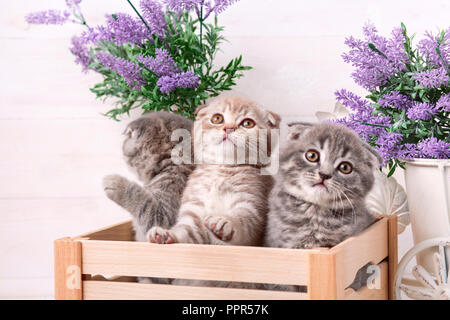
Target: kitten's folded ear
<point>297,129</point>
<point>134,128</point>
<point>377,159</point>
<point>200,108</point>
<point>273,119</point>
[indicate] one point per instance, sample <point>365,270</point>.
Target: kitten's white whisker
<point>337,192</point>
<point>349,201</point>
<point>353,208</point>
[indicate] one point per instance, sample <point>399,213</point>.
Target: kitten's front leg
<point>161,236</point>
<point>115,187</point>
<point>220,226</point>
<point>137,201</point>
<point>244,228</point>
<point>188,229</point>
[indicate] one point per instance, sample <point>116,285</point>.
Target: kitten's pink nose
<point>228,129</point>
<point>324,176</point>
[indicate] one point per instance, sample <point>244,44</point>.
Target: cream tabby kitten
<point>225,202</point>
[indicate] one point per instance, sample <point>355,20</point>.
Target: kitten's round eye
<point>312,155</point>
<point>248,123</point>
<point>217,118</point>
<point>345,167</point>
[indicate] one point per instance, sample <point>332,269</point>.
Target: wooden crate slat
<point>68,273</point>
<point>199,262</point>
<point>371,245</point>
<point>122,231</point>
<point>322,276</point>
<point>105,290</point>
<point>393,252</point>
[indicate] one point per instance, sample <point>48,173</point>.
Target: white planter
<point>428,191</point>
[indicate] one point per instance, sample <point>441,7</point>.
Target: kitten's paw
<point>114,186</point>
<point>161,235</point>
<point>220,226</point>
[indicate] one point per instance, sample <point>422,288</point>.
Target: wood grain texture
<point>68,270</point>
<point>106,290</point>
<point>185,261</point>
<point>122,231</point>
<point>393,253</point>
<point>322,275</point>
<point>371,245</point>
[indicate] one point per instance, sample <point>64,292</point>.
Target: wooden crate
<point>104,265</point>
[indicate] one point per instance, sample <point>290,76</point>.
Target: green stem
<point>374,125</point>
<point>444,63</point>
<point>139,15</point>
<point>201,25</point>
<point>375,49</point>
<point>81,19</point>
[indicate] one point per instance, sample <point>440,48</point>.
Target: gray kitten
<point>318,198</point>
<point>147,151</point>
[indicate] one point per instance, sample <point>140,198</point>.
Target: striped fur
<point>147,151</point>
<point>223,203</point>
<point>304,214</point>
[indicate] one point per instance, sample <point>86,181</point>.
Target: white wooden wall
<point>55,146</point>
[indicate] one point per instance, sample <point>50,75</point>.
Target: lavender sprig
<point>48,17</point>
<point>130,72</point>
<point>408,112</point>
<point>58,17</point>
<point>156,59</point>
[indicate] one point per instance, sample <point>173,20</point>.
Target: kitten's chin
<point>225,153</point>
<point>317,195</point>
<point>216,155</point>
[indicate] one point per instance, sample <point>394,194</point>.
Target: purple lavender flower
<point>396,100</point>
<point>351,100</point>
<point>443,104</point>
<point>74,7</point>
<point>409,151</point>
<point>127,69</point>
<point>187,80</point>
<point>422,111</point>
<point>428,46</point>
<point>161,65</point>
<point>73,4</point>
<point>216,6</point>
<point>48,17</point>
<point>434,148</point>
<point>81,52</point>
<point>380,65</point>
<point>92,35</point>
<point>388,145</point>
<point>154,16</point>
<point>432,78</point>
<point>360,120</point>
<point>373,69</point>
<point>120,28</point>
<point>179,6</point>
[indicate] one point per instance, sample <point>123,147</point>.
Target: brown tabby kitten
<point>318,198</point>
<point>147,151</point>
<point>224,202</point>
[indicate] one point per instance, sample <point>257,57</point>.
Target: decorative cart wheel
<point>426,286</point>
